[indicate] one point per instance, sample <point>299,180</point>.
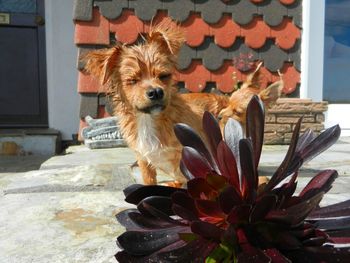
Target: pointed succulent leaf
<point>207,230</point>
<point>184,213</point>
<point>314,241</point>
<point>239,214</point>
<point>216,181</point>
<point>212,130</point>
<point>255,120</point>
<point>154,257</point>
<point>306,230</point>
<point>254,255</point>
<point>184,200</point>
<point>188,137</point>
<point>195,163</point>
<point>185,171</point>
<point>249,172</point>
<point>125,220</point>
<point>146,223</point>
<point>300,211</point>
<point>140,193</point>
<point>286,241</point>
<point>229,198</point>
<point>305,139</point>
<point>322,182</point>
<point>209,208</point>
<point>132,188</point>
<point>344,239</point>
<point>320,254</point>
<point>265,204</point>
<point>335,210</point>
<point>286,191</point>
<point>195,251</point>
<point>320,143</point>
<point>227,164</point>
<point>162,203</point>
<point>334,223</point>
<point>276,256</point>
<point>184,206</point>
<point>229,237</point>
<point>143,243</point>
<point>282,170</point>
<point>199,188</point>
<point>233,133</point>
<point>150,211</point>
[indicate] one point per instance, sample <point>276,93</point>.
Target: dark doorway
<point>337,52</point>
<point>23,92</point>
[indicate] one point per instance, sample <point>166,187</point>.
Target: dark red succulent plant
<point>225,216</point>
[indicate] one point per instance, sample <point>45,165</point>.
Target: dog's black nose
<point>155,94</point>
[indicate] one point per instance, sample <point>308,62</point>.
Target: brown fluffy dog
<point>139,78</point>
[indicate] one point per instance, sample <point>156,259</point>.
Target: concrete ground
<point>64,211</point>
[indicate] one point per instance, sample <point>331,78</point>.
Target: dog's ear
<point>271,93</point>
<point>101,63</point>
<point>168,34</point>
<point>254,78</point>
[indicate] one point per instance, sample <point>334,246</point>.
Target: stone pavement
<point>64,212</point>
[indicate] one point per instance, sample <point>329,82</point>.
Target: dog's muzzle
<point>155,94</point>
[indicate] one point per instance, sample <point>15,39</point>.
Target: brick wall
<point>281,118</point>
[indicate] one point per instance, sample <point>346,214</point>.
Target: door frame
<point>41,120</point>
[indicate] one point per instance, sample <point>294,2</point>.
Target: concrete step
<point>29,142</point>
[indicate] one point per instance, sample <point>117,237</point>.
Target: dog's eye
<point>131,81</point>
<point>164,77</point>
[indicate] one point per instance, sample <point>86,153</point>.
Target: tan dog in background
<point>139,79</point>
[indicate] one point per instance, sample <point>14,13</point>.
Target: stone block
<point>320,118</point>
<point>273,138</point>
<point>299,107</point>
<point>314,126</point>
<point>294,119</point>
<point>270,118</point>
<point>277,128</point>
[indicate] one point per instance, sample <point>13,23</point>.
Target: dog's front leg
<point>149,174</point>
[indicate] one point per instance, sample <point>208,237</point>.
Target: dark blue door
<point>23,93</point>
<point>336,81</point>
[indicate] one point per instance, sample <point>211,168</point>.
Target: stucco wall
<point>61,53</point>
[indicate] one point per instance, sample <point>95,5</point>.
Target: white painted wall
<point>312,63</point>
<point>61,54</point>
<point>312,50</point>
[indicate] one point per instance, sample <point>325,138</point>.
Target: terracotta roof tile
<point>111,9</point>
<point>286,34</point>
<point>92,32</point>
<point>195,76</point>
<point>123,25</point>
<point>179,9</point>
<point>210,10</point>
<point>82,10</point>
<point>88,84</point>
<point>291,78</point>
<point>273,12</point>
<point>257,1</point>
<point>256,33</point>
<point>225,31</point>
<point>223,77</point>
<point>273,56</point>
<point>196,30</point>
<point>82,125</point>
<point>287,2</point>
<point>88,105</point>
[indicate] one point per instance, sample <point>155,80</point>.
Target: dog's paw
<point>175,184</point>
